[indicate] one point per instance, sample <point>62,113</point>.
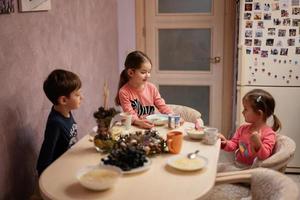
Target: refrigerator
<point>269,58</point>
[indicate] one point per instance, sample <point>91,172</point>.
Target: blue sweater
<point>60,135</point>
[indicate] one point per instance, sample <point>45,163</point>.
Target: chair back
<point>283,152</point>
<point>187,113</point>
<point>263,184</point>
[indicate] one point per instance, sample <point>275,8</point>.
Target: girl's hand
<point>181,121</point>
<point>255,140</point>
<point>223,139</point>
<point>199,125</point>
<point>143,123</point>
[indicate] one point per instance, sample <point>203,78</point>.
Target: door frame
<point>228,98</point>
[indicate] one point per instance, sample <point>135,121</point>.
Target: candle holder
<point>103,140</point>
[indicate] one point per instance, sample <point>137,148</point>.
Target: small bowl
<point>194,134</point>
<point>98,177</point>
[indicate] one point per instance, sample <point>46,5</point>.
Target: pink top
<point>141,103</point>
<point>246,153</point>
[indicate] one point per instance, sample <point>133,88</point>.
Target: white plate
<point>181,162</point>
<point>145,167</point>
<point>158,119</point>
<point>194,134</point>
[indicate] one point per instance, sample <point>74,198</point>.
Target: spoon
<point>193,154</point>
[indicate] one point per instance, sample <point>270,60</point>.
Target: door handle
<point>216,59</point>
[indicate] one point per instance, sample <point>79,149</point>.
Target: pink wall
<point>77,35</point>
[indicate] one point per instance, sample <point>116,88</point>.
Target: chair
<point>283,152</point>
<point>187,113</point>
<point>255,184</point>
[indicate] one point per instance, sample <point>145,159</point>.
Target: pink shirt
<point>141,103</point>
<point>246,153</point>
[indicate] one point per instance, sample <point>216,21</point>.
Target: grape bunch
<point>126,158</point>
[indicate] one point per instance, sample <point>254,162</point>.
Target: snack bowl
<point>158,119</point>
<point>98,177</point>
<point>194,134</point>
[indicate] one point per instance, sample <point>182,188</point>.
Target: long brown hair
<point>261,100</point>
<point>134,60</point>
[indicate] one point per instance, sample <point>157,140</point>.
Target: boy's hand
<point>223,139</point>
<point>255,140</point>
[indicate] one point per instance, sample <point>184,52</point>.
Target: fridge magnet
<point>286,22</point>
<point>284,13</point>
<point>256,50</point>
<point>256,6</point>
<point>248,42</point>
<point>249,24</point>
<point>276,21</point>
<point>271,31</point>
<point>275,6</point>
<point>248,7</point>
<point>267,16</point>
<point>296,22</point>
<point>297,50</point>
<point>248,33</point>
<point>257,42</point>
<point>281,32</point>
<point>260,24</point>
<point>295,3</point>
<point>7,6</point>
<point>267,7</point>
<point>34,5</point>
<point>292,32</point>
<point>274,52</point>
<point>247,16</point>
<point>283,4</point>
<point>257,16</point>
<point>269,42</point>
<point>296,11</point>
<point>248,51</point>
<point>258,33</point>
<point>291,42</point>
<point>279,43</point>
<point>264,54</point>
<point>284,51</point>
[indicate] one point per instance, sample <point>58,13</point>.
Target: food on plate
<point>98,178</point>
<point>184,163</point>
<point>194,131</point>
<point>126,157</point>
<point>158,119</point>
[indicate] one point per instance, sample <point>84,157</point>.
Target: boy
<point>63,89</point>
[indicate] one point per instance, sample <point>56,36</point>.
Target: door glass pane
<point>184,6</point>
<point>196,97</point>
<point>184,49</point>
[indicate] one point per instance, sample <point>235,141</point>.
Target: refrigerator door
<point>287,110</point>
<point>269,51</point>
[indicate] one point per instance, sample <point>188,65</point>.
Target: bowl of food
<point>158,119</point>
<point>98,177</point>
<point>194,133</point>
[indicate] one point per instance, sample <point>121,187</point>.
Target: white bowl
<point>98,177</point>
<point>158,119</point>
<point>194,134</point>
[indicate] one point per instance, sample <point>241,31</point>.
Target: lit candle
<point>106,95</point>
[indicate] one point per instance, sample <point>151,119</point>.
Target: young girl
<point>255,139</point>
<point>136,95</point>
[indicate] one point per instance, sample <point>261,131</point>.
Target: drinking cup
<point>174,141</point>
<point>126,119</point>
<point>210,135</point>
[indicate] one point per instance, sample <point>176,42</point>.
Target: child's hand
<point>223,139</point>
<point>255,140</point>
<point>181,121</point>
<point>143,123</point>
<point>199,124</point>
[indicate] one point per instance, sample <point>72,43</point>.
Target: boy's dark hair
<point>60,83</point>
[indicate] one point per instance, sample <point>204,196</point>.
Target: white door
<point>184,40</point>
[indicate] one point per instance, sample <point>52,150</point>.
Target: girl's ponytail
<point>277,124</point>
<point>123,80</point>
